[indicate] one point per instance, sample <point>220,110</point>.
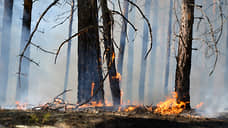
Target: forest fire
<point>20,106</point>
<point>170,106</point>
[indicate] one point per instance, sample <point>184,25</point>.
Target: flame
<point>92,88</point>
<point>113,57</point>
<point>21,106</point>
<point>170,106</point>
<point>131,108</point>
<point>199,105</point>
<point>118,76</point>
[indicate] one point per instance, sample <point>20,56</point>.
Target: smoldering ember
<point>114,63</point>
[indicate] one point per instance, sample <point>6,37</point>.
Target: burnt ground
<point>96,119</point>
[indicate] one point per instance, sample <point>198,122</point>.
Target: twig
<point>42,49</point>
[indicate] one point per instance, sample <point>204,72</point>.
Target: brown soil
<point>99,119</point>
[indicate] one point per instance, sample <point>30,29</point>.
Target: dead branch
<point>42,49</point>
<point>31,36</point>
<point>116,12</point>
<point>65,91</point>
<point>75,35</point>
<point>149,26</point>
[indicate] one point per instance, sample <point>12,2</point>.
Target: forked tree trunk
<point>5,48</point>
<point>22,92</point>
<point>168,49</point>
<point>183,69</point>
<point>89,56</point>
<point>110,53</point>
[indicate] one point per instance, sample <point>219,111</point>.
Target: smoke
<point>47,81</point>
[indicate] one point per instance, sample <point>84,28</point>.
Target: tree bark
<point>22,92</point>
<point>110,53</point>
<point>152,66</point>
<point>89,56</point>
<point>144,50</point>
<point>168,47</point>
<point>5,49</point>
<point>183,69</point>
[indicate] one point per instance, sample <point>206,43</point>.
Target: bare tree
<point>5,48</point>
<point>183,68</point>
<point>89,59</point>
<point>123,37</point>
<point>130,59</point>
<point>69,48</point>
<point>168,49</point>
<point>110,53</point>
<point>22,92</point>
<point>144,50</point>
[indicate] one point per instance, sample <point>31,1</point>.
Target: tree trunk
<point>130,60</point>
<point>22,92</point>
<point>168,47</point>
<point>123,38</point>
<point>152,66</point>
<point>5,48</point>
<point>89,56</point>
<point>110,53</point>
<point>69,49</point>
<point>183,69</point>
<point>144,50</point>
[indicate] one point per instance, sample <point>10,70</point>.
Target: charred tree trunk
<point>22,92</point>
<point>130,60</point>
<point>183,69</point>
<point>5,48</point>
<point>144,50</point>
<point>110,53</point>
<point>89,56</point>
<point>123,38</point>
<point>168,48</point>
<point>69,49</point>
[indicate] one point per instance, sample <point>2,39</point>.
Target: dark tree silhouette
<point>110,53</point>
<point>22,91</point>
<point>183,68</point>
<point>89,56</point>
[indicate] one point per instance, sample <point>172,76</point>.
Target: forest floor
<point>103,119</point>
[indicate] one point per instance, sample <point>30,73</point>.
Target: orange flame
<point>118,76</point>
<point>199,105</point>
<point>170,106</point>
<point>92,88</point>
<point>21,106</point>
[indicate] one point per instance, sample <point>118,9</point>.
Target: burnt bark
<point>5,48</point>
<point>183,68</point>
<point>89,56</point>
<point>110,53</point>
<point>22,92</point>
